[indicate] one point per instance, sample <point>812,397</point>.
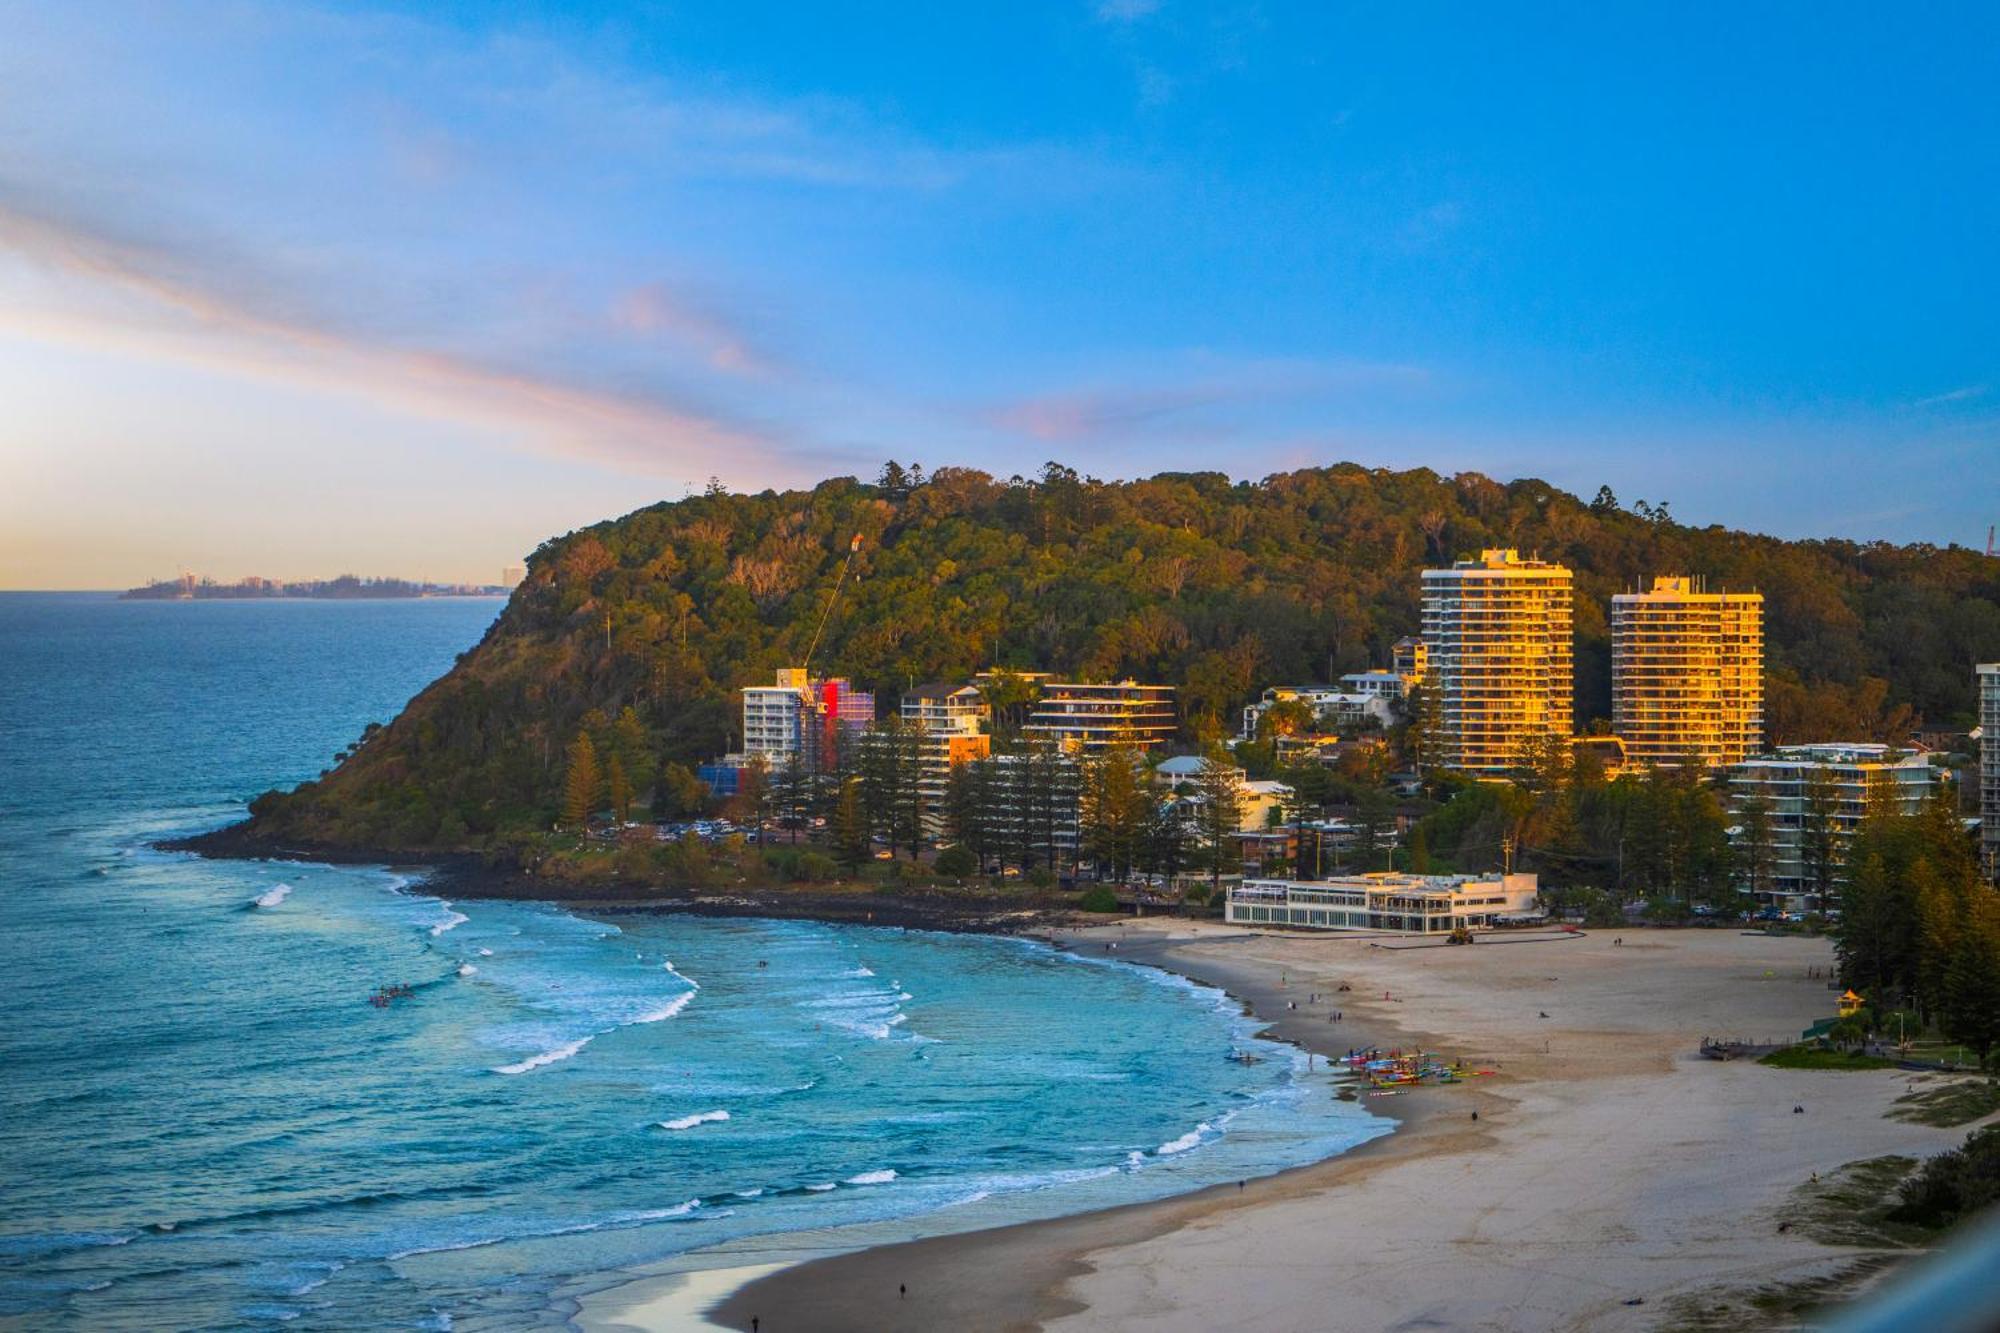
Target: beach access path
<point>1609,1163</point>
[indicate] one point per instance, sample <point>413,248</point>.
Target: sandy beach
<point>1611,1176</point>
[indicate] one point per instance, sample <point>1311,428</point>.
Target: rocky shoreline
<point>462,875</point>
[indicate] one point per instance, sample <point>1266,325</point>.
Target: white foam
<point>882,1177</point>
<point>690,1121</point>
<point>452,921</point>
<point>606,1224</point>
<point>667,1010</point>
<point>549,1057</point>
<point>661,1214</point>
<point>863,971</point>
<point>1190,1140</point>
<point>749,1194</point>
<point>692,983</point>
<point>821,1189</point>
<point>485,953</point>
<point>466,969</point>
<point>275,896</point>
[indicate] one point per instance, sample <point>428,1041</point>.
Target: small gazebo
<point>1850,1004</point>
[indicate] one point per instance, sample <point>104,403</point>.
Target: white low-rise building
<point>1333,709</point>
<point>1386,900</point>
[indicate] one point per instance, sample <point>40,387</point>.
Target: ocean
<point>205,1122</point>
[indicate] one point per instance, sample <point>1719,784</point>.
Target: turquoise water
<point>204,1123</point>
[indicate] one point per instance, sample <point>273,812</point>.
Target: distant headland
<point>347,587</point>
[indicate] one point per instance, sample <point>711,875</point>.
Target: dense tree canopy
<point>1217,586</point>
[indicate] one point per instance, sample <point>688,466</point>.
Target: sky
<point>293,290</point>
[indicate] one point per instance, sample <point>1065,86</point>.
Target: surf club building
<point>1385,900</point>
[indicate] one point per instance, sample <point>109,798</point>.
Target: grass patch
<point>1774,1305</point>
<point>1957,1102</point>
<point>1851,1206</point>
<point>1819,1057</point>
<point>1848,1207</point>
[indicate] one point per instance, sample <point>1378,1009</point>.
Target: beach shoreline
<point>1612,1179</point>
<point>668,1295</point>
<point>1477,1205</point>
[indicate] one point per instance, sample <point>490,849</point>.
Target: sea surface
<point>205,1123</point>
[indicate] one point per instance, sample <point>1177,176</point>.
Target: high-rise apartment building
<point>802,716</point>
<point>951,721</point>
<point>1687,673</point>
<point>1796,809</point>
<point>1989,767</point>
<point>1100,717</point>
<point>1497,635</point>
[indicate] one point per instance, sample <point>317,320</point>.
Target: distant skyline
<point>403,289</point>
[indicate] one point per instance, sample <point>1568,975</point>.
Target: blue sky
<point>292,289</point>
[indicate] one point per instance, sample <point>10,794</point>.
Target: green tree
<point>1970,1012</point>
<point>632,746</point>
<point>1754,843</point>
<point>1819,836</point>
<point>847,828</point>
<point>791,799</point>
<point>678,793</point>
<point>1218,816</point>
<point>584,783</point>
<point>618,788</point>
<point>1117,791</point>
<point>1420,852</point>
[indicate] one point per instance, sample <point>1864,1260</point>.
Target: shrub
<point>814,868</point>
<point>1953,1185</point>
<point>1098,899</point>
<point>956,863</point>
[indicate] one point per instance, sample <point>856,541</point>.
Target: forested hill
<point>1219,587</point>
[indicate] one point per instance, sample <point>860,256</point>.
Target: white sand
<point>1609,1162</point>
<point>1621,1165</point>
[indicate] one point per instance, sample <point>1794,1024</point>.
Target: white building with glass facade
<point>1807,785</point>
<point>1384,900</point>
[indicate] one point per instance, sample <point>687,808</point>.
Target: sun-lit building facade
<point>952,721</point>
<point>1687,673</point>
<point>1122,714</point>
<point>1497,636</point>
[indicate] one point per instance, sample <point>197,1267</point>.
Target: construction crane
<point>853,548</point>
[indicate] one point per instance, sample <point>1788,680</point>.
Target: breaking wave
<point>882,1177</point>
<point>548,1057</point>
<point>690,1121</point>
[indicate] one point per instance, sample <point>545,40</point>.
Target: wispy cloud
<point>1214,399</point>
<point>145,300</point>
<point>658,309</point>
<point>1964,394</point>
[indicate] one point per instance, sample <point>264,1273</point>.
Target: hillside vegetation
<point>1217,586</point>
